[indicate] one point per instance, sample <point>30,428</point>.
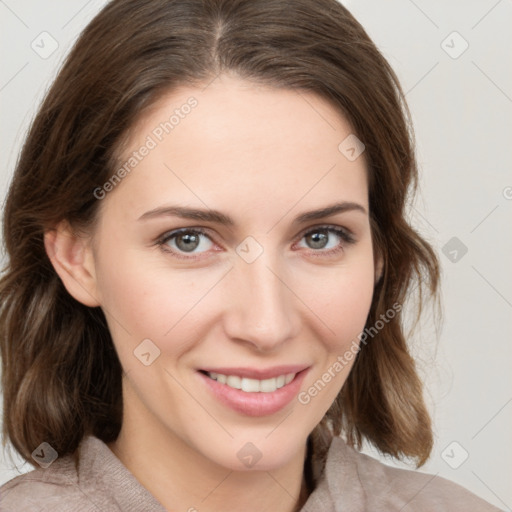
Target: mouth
<point>248,385</point>
<point>254,392</point>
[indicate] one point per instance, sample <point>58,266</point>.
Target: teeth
<point>250,385</point>
<point>234,382</point>
<point>253,385</point>
<point>268,385</point>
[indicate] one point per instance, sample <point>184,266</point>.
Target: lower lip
<point>255,404</point>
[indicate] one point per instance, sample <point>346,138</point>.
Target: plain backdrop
<point>453,59</point>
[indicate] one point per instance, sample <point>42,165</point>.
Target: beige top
<point>351,482</point>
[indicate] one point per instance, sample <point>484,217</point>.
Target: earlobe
<point>71,256</point>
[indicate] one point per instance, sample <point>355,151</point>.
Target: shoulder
<point>96,480</point>
<point>60,487</point>
<point>53,488</point>
<point>385,488</point>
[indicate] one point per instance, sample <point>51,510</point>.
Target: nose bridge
<point>263,313</point>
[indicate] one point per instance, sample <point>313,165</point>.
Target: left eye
<point>320,238</point>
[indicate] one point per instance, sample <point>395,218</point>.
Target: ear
<point>71,256</point>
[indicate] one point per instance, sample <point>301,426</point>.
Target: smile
<point>253,385</point>
<point>254,392</point>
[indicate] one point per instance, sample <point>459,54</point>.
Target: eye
<point>186,241</point>
<point>327,239</point>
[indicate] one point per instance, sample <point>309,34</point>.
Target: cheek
<point>343,303</point>
<point>341,300</point>
<point>147,300</point>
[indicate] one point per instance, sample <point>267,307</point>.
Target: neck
<point>182,479</point>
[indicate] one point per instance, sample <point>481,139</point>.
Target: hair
<point>61,376</point>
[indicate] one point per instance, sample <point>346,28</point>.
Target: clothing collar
<point>339,487</point>
<point>104,469</point>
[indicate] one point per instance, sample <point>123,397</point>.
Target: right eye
<point>185,241</point>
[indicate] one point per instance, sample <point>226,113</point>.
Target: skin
<point>262,156</point>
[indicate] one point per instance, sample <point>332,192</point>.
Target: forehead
<point>236,142</point>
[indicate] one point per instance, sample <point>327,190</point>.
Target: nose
<point>262,310</point>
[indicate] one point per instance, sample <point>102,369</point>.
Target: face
<point>214,274</point>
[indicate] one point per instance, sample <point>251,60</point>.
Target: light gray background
<point>462,113</point>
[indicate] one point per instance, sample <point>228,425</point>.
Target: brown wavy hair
<point>61,376</point>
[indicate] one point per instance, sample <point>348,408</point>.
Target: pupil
<point>189,241</point>
<point>319,239</point>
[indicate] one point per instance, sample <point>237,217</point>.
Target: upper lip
<point>257,373</point>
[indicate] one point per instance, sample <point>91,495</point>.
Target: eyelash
<point>345,235</point>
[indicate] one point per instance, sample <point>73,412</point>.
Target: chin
<point>259,455</point>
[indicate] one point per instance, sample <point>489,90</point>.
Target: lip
<point>257,403</point>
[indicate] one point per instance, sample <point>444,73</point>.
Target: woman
<point>208,259</point>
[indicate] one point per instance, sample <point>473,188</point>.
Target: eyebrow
<point>218,217</point>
